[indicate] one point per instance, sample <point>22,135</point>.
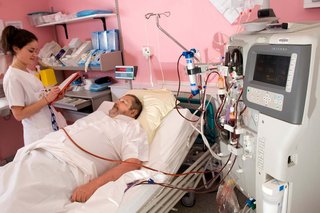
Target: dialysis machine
<point>278,150</point>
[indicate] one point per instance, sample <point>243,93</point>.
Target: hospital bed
<point>176,146</point>
<point>170,136</point>
<point>172,141</point>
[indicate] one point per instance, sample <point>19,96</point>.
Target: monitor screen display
<point>272,69</point>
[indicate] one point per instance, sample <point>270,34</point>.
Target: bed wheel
<point>189,199</point>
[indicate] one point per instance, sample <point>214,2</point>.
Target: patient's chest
<point>98,134</point>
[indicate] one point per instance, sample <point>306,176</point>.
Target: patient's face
<point>122,107</point>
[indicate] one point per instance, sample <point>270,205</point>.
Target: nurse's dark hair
<point>136,104</point>
<point>12,36</point>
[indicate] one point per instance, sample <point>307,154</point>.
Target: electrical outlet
<point>146,52</point>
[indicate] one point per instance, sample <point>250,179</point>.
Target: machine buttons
<point>265,98</point>
<point>292,67</point>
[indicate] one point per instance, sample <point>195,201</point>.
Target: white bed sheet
<point>167,152</point>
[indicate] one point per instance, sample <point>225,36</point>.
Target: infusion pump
<point>281,80</point>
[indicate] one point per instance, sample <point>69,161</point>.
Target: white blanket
<point>65,164</point>
<point>108,198</point>
<point>30,167</point>
<point>167,152</point>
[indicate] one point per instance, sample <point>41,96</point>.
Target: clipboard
<point>65,84</point>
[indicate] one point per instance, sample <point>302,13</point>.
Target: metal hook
<point>148,15</point>
<point>167,14</point>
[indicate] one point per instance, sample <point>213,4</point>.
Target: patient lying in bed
<point>49,174</point>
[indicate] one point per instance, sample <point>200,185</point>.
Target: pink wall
<point>293,11</point>
<point>18,10</point>
<point>82,30</point>
<point>195,24</point>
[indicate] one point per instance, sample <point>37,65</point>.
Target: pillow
<point>105,106</point>
<point>157,103</point>
<point>169,140</point>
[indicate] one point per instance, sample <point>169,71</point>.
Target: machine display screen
<point>272,69</point>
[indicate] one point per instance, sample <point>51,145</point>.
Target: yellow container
<point>37,75</point>
<point>48,77</point>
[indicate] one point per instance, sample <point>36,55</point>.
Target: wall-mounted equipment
<point>125,72</point>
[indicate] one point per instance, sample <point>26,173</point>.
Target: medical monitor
<point>276,79</point>
<point>272,69</point>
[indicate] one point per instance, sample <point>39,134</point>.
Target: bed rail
<point>168,197</point>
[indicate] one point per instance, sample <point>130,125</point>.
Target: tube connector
<point>235,150</point>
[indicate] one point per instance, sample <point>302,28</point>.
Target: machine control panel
<point>292,67</point>
<point>276,79</point>
<point>265,98</point>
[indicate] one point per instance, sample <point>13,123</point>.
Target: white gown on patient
<point>43,175</point>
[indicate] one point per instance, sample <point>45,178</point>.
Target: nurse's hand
<point>84,192</point>
<point>53,94</point>
<point>60,96</point>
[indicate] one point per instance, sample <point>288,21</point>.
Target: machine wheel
<point>189,199</point>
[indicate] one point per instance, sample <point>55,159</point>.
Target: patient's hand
<point>84,192</point>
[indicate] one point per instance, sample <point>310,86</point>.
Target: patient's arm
<point>83,193</point>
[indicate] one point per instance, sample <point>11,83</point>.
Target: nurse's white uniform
<point>21,89</point>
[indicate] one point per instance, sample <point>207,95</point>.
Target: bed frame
<point>167,198</point>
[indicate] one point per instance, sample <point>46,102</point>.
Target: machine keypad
<point>265,98</point>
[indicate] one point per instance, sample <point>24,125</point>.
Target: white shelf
<point>107,62</point>
<point>77,19</point>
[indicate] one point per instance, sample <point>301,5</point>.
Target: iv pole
<point>167,14</point>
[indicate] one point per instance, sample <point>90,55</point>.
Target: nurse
<point>27,98</point>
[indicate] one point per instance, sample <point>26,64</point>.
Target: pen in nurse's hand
<point>45,90</point>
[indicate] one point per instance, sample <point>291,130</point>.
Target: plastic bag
<point>227,201</point>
